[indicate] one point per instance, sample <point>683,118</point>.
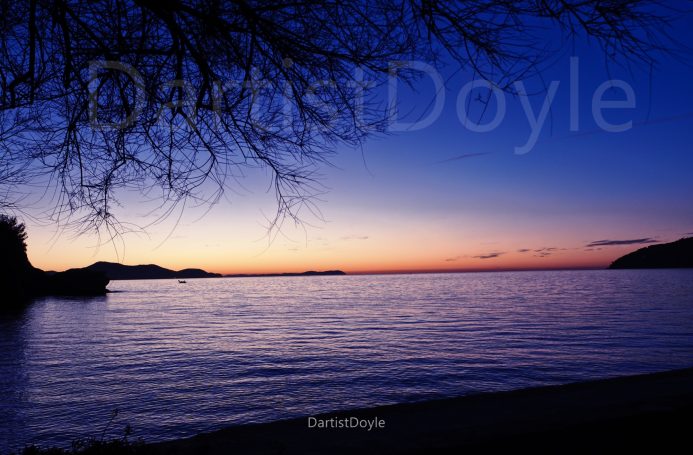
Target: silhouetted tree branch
<point>176,98</point>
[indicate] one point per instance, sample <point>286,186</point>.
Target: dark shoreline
<point>644,412</point>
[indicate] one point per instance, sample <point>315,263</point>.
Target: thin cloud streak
<point>620,242</point>
<point>488,256</point>
<point>461,157</point>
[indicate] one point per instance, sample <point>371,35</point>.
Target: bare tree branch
<point>176,98</point>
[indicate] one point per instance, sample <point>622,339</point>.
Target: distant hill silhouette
<point>115,271</point>
<point>676,254</point>
<point>308,273</point>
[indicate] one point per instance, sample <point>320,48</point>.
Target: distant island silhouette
<point>308,273</point>
<point>116,271</point>
<point>678,254</point>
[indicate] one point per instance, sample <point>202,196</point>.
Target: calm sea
<point>178,359</point>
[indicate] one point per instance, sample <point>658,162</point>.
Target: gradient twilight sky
<point>446,198</point>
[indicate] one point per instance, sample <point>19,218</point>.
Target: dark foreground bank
<point>647,412</point>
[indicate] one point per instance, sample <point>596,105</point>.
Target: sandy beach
<point>645,412</point>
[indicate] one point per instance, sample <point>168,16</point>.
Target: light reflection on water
<point>180,359</point>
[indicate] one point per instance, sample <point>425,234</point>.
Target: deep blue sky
<point>405,203</point>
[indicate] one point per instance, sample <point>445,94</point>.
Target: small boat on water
<point>182,281</point>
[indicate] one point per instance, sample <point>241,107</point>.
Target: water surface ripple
<point>180,359</point>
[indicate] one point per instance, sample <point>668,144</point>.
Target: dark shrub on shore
<point>93,446</point>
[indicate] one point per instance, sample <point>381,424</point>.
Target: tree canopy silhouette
<point>175,99</point>
<point>14,263</point>
<point>12,238</point>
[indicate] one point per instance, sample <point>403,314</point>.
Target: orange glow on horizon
<point>356,241</point>
<point>351,262</point>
